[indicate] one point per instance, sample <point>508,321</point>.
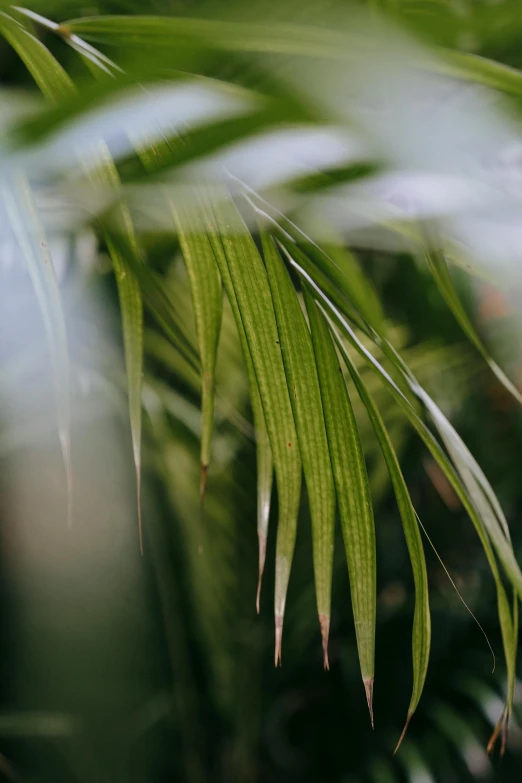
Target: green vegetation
<point>272,223</point>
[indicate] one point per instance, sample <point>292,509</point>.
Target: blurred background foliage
<point>117,667</point>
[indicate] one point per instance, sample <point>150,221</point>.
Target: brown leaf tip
<point>324,621</point>
<point>368,687</point>
<point>262,557</point>
<point>403,734</point>
<point>278,639</point>
<point>501,730</point>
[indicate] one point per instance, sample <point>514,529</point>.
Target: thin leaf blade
<point>305,397</point>
<point>353,492</point>
<point>421,635</point>
<point>207,299</point>
<point>245,281</point>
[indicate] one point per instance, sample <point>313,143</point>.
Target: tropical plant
<point>257,152</point>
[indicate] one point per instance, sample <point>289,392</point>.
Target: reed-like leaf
<point>477,503</point>
<point>305,397</point>
<point>47,72</point>
<point>353,492</point>
<point>207,299</point>
<point>245,281</point>
<point>421,636</point>
<point>265,467</point>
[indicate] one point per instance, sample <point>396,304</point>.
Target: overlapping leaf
<point>279,38</point>
<point>245,281</point>
<point>263,448</point>
<point>298,385</point>
<point>353,492</point>
<point>305,397</point>
<point>421,636</point>
<point>476,502</point>
<point>56,85</point>
<point>206,290</point>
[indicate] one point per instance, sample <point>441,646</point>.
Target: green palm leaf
<point>245,281</point>
<point>305,397</point>
<point>421,636</point>
<point>353,492</point>
<point>207,301</point>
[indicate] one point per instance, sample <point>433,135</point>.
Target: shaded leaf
<point>305,397</point>
<point>263,448</point>
<point>353,492</point>
<point>48,74</point>
<point>205,284</point>
<point>421,636</point>
<point>476,503</point>
<point>245,280</point>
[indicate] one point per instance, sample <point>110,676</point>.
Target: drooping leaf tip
<point>501,730</point>
<point>368,687</point>
<point>403,733</point>
<point>262,557</point>
<point>278,639</point>
<point>324,621</point>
